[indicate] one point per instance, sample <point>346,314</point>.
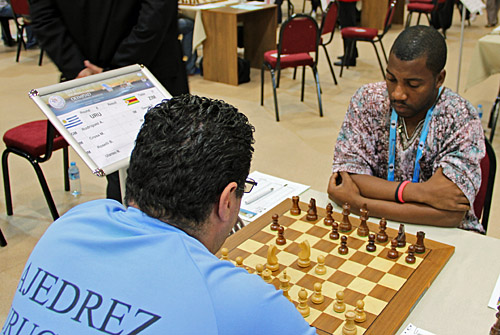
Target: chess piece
<point>360,311</point>
<point>239,261</point>
<point>349,327</point>
<point>343,249</point>
<point>272,260</point>
<point>275,225</point>
<point>320,268</point>
<point>267,276</point>
<point>410,258</point>
<point>281,240</point>
<point>363,229</point>
<point>258,269</point>
<point>393,253</point>
<point>419,246</point>
<point>382,235</point>
<point>495,329</point>
<point>285,284</point>
<point>312,213</point>
<point>302,306</point>
<point>224,254</point>
<point>339,305</point>
<point>295,206</point>
<point>317,297</point>
<point>334,235</point>
<point>371,247</point>
<point>345,226</point>
<point>304,254</point>
<point>401,238</point>
<point>329,219</point>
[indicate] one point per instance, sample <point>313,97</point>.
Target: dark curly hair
<point>417,41</point>
<point>187,151</point>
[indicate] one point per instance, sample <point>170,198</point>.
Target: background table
<point>485,60</point>
<point>220,55</point>
<point>457,300</point>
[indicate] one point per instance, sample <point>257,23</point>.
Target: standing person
<point>492,7</point>
<point>348,15</point>
<point>409,148</point>
<point>85,37</point>
<point>150,268</point>
<point>7,14</point>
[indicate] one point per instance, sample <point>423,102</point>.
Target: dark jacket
<point>112,34</point>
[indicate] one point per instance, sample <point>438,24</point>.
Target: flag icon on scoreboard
<point>132,100</point>
<point>71,122</point>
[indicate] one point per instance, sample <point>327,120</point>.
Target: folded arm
<point>437,202</point>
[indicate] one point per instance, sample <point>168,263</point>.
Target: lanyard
<point>421,143</point>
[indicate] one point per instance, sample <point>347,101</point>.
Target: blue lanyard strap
<point>421,143</point>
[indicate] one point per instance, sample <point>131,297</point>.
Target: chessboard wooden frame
<point>400,306</point>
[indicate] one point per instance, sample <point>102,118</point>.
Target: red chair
<point>482,204</point>
<point>426,7</point>
<point>21,10</point>
<point>328,27</point>
<point>34,141</point>
<point>299,35</point>
<point>369,35</point>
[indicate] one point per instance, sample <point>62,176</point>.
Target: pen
<point>259,195</point>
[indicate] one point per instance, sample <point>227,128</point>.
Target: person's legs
<point>347,18</point>
<point>186,27</point>
<point>5,15</point>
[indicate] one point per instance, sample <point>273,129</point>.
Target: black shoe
<point>10,43</point>
<point>351,63</point>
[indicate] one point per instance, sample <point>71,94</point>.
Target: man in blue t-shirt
<point>150,268</point>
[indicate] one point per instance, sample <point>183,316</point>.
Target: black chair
<point>492,122</point>
<point>482,204</point>
<point>34,141</point>
<point>21,10</point>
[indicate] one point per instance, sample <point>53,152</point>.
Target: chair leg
<point>45,189</point>
<point>428,19</point>
<point>3,241</point>
<point>6,181</point>
<point>303,82</point>
<point>20,41</point>
<point>408,19</point>
<point>66,168</point>
<point>330,64</point>
<point>41,58</point>
<point>275,96</point>
<point>318,90</point>
<point>294,73</point>
<point>378,58</point>
<point>262,85</point>
<point>383,50</point>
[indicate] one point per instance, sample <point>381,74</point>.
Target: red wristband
<point>400,191</point>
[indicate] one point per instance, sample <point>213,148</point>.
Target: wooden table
<point>374,12</point>
<point>220,58</point>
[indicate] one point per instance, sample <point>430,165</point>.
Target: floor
<point>298,148</point>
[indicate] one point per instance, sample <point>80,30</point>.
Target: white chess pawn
<point>360,311</point>
<point>339,305</point>
<point>317,297</point>
<point>320,268</point>
<point>349,327</point>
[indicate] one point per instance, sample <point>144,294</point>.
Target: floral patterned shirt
<point>455,142</point>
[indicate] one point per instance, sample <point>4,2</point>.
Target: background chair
<point>426,7</point>
<point>369,35</point>
<point>34,141</point>
<point>3,241</point>
<point>482,204</point>
<point>495,110</point>
<point>299,35</point>
<point>328,27</point>
<point>21,10</point>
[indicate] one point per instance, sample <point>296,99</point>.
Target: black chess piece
<point>345,226</point>
<point>280,240</point>
<point>329,219</point>
<point>401,238</point>
<point>371,247</point>
<point>382,235</point>
<point>312,213</point>
<point>363,229</point>
<point>419,246</point>
<point>410,258</point>
<point>275,225</point>
<point>343,249</point>
<point>334,235</point>
<point>393,253</point>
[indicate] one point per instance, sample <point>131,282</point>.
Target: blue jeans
<point>186,27</point>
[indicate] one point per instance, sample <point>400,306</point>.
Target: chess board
<point>389,287</point>
<point>197,2</point>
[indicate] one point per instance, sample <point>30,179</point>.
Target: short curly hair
<point>187,151</point>
<point>417,41</point>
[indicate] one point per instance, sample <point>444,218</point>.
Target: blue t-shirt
<point>105,269</point>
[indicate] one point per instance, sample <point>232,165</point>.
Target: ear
<point>440,78</point>
<point>227,201</point>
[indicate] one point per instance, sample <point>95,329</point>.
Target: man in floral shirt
<point>410,149</point>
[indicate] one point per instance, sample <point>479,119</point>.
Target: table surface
<point>485,60</point>
<point>457,301</point>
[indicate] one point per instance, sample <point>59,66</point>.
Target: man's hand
<point>342,189</point>
<point>89,70</point>
<point>441,193</point>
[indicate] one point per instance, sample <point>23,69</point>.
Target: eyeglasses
<point>249,185</point>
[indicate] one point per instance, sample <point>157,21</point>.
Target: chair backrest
<point>298,34</point>
<point>389,16</point>
<point>20,7</point>
<point>482,204</point>
<point>330,19</point>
